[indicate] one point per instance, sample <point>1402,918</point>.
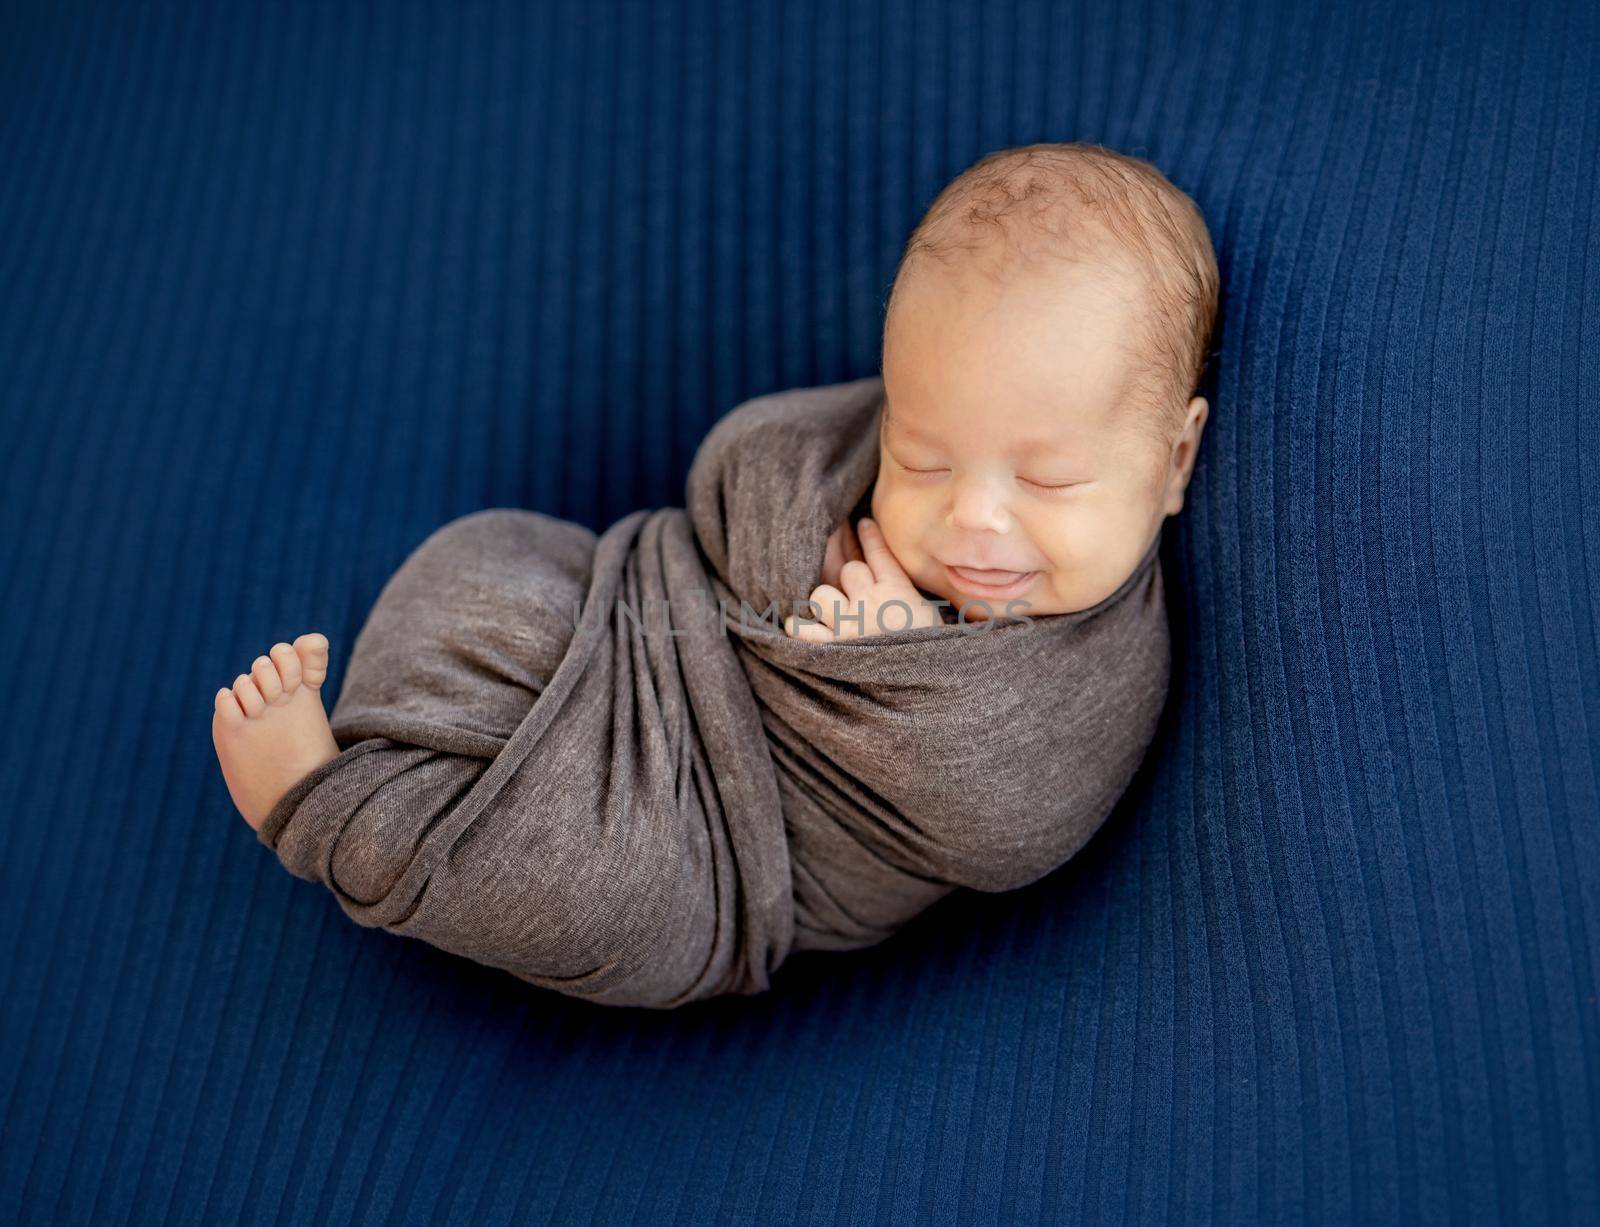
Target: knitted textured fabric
<point>599,763</point>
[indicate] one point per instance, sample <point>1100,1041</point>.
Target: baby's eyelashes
<point>1054,485</point>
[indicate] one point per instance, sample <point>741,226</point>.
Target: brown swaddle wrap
<point>599,763</point>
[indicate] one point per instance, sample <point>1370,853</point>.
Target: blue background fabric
<point>285,287</point>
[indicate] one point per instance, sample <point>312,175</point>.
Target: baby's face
<point>1007,447</point>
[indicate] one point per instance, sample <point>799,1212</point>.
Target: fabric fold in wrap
<point>598,763</point>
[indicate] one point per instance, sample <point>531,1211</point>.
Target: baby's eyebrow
<point>1026,449</point>
<point>903,427</point>
<point>1042,447</point>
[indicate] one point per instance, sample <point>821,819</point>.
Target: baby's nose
<point>979,507</point>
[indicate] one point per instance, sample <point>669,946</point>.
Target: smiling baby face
<point>1025,453</point>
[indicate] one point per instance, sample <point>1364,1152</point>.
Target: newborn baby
<point>1038,428</point>
<point>1044,336</point>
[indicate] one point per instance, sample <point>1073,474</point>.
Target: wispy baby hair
<point>1063,200</point>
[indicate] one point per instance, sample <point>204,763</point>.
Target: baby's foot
<point>270,729</point>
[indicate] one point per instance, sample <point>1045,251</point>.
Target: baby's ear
<point>1193,427</point>
<point>1180,462</point>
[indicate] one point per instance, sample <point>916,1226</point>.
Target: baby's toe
<point>313,650</point>
<point>249,698</point>
<point>265,675</point>
<point>288,662</point>
<point>227,707</point>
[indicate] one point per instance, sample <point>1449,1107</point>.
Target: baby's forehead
<point>1018,419</point>
<point>1080,275</point>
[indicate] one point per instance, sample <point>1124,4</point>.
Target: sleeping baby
<point>908,634</point>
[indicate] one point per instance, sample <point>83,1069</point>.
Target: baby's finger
<point>827,602</point>
<point>809,632</point>
<point>855,577</point>
<point>833,603</point>
<point>885,566</point>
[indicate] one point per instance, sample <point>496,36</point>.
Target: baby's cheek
<point>1078,536</point>
<point>902,512</point>
<point>904,542</point>
<point>1066,546</point>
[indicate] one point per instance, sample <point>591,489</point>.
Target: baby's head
<point>1047,329</point>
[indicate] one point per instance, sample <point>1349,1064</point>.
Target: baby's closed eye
<point>1045,484</point>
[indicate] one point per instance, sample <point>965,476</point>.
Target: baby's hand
<point>862,581</point>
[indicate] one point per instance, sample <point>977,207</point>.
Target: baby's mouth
<point>986,582</point>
